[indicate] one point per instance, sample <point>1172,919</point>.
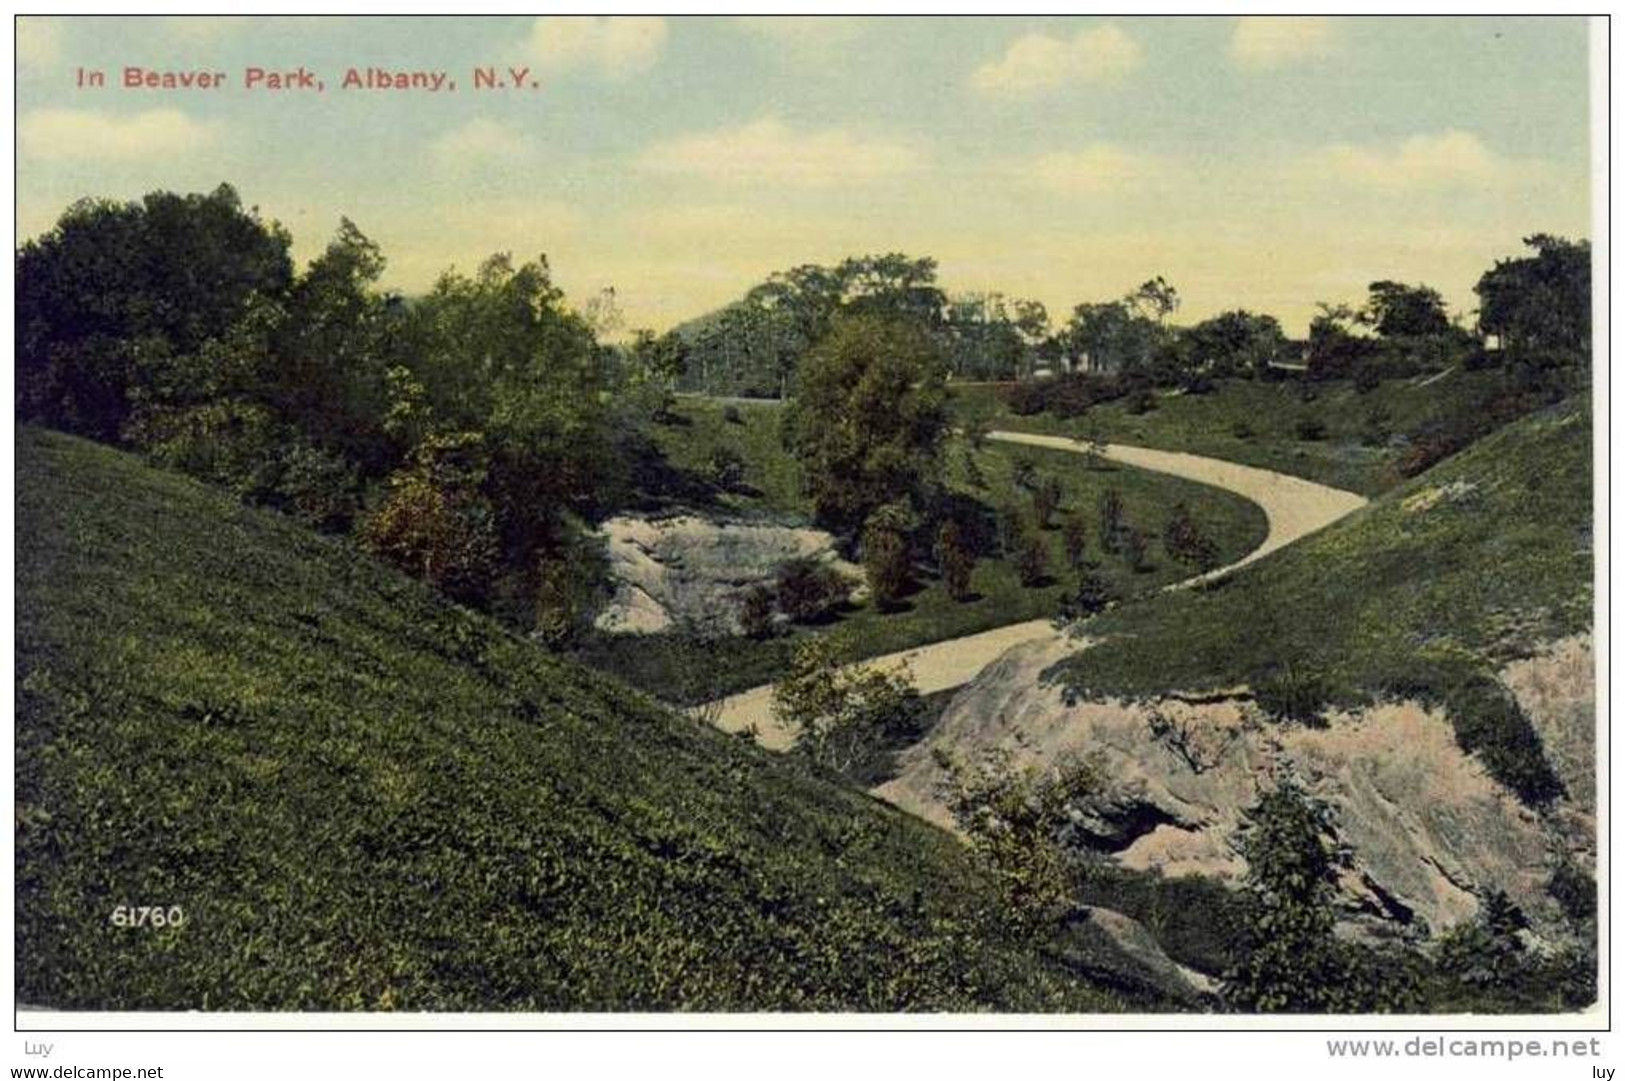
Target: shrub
<point>1293,692</point>
<point>437,529</point>
<point>885,562</point>
<point>1074,539</point>
<point>1032,560</point>
<point>1142,402</point>
<point>1091,596</point>
<point>1574,891</point>
<point>1136,549</point>
<point>731,415</point>
<point>756,611</point>
<point>1184,539</point>
<point>726,468</point>
<point>1309,429</point>
<point>1025,398</point>
<point>808,591</point>
<point>955,560</point>
<point>1242,430</point>
<point>1046,501</point>
<point>1024,472</point>
<point>318,488</point>
<point>844,715</point>
<point>1112,521</point>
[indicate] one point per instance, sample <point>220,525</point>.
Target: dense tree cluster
<point>462,435</point>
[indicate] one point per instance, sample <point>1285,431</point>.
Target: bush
<point>1136,549</point>
<point>1242,430</point>
<point>1185,540</point>
<point>845,716</point>
<point>730,414</point>
<point>1309,429</point>
<point>808,591</point>
<point>955,560</point>
<point>1112,519</point>
<point>725,468</point>
<point>1046,501</point>
<point>318,488</point>
<point>1074,539</point>
<point>1032,560</point>
<point>1091,596</point>
<point>1024,472</point>
<point>756,610</point>
<point>1025,398</point>
<point>1142,402</point>
<point>885,563</point>
<point>1293,692</point>
<point>437,528</point>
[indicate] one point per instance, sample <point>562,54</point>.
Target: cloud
<point>1037,64</point>
<point>480,139</point>
<point>85,135</point>
<point>1095,169</point>
<point>767,150</point>
<point>1268,41</point>
<point>804,31</point>
<point>1447,160</point>
<point>39,42</point>
<point>612,46</point>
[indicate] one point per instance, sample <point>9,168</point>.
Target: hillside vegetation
<point>1422,594</point>
<point>684,669</point>
<point>361,796</point>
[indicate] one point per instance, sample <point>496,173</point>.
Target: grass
<point>686,671</point>
<point>1256,422</point>
<point>1421,594</point>
<point>364,797</point>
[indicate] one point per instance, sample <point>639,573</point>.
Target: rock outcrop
<point>1428,827</point>
<point>691,571</point>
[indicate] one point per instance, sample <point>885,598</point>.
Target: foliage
<point>1014,820</point>
<point>1291,961</point>
<point>1135,548</point>
<point>334,770</point>
<point>1113,520</point>
<point>1032,560</point>
<point>955,560</point>
<point>843,714</point>
<point>1184,539</point>
<point>756,608</point>
<point>1293,691</point>
<point>1540,305</point>
<point>868,420</point>
<point>1046,496</point>
<point>726,468</point>
<point>1091,595</point>
<point>1074,538</point>
<point>886,563</point>
<point>115,289</point>
<point>808,590</point>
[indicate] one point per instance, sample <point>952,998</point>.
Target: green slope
<point>1423,593</point>
<point>363,797</point>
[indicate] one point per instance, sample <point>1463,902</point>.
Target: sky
<point>1263,163</point>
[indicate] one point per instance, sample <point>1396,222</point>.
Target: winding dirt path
<point>1294,508</point>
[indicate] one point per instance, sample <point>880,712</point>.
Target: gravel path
<point>1293,506</point>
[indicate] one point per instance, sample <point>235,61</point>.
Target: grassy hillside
<point>685,671</point>
<point>1422,593</point>
<point>1262,423</point>
<point>362,797</point>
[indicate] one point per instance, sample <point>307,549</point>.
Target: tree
<point>1136,549</point>
<point>1046,501</point>
<point>1074,538</point>
<point>1335,351</point>
<point>1291,961</point>
<point>1112,519</point>
<point>1155,299</point>
<point>1014,820</point>
<point>1185,540</point>
<point>868,420</point>
<point>1396,310</point>
<point>885,560</point>
<point>1032,560</point>
<point>1234,343</point>
<point>116,288</point>
<point>1109,337</point>
<point>1540,306</point>
<point>842,714</point>
<point>1092,594</point>
<point>955,560</point>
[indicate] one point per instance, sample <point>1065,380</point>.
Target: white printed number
<point>148,916</point>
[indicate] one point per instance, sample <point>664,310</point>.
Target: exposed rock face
<point>1426,824</point>
<point>691,571</point>
<point>1132,937</point>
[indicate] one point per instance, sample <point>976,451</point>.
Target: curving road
<point>1294,508</point>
